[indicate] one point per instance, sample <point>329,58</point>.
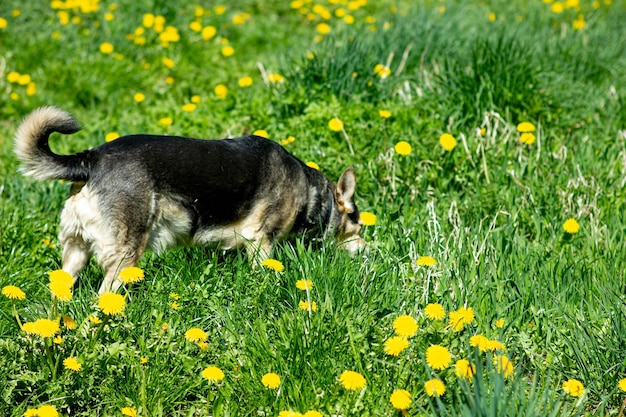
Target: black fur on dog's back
<point>216,180</point>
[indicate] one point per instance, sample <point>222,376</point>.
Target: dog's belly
<point>173,227</point>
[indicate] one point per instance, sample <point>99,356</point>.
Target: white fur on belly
<point>172,227</point>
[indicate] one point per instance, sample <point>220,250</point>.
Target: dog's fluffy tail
<point>33,150</point>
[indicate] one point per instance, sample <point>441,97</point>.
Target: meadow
<point>489,144</point>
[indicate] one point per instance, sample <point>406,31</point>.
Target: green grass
<point>490,212</point>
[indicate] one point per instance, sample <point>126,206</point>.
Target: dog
<point>147,191</point>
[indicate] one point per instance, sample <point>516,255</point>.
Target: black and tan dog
<point>144,191</point>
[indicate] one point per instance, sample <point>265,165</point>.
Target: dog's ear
<point>345,190</point>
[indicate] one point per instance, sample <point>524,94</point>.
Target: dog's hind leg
<point>76,254</point>
<point>113,263</point>
<point>76,251</point>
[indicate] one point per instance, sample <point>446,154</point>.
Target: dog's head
<point>348,224</point>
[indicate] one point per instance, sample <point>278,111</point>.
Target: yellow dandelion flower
<point>245,82</point>
<point>219,9</point>
<point>111,303</point>
<point>500,323</point>
<point>382,71</point>
<point>69,323</point>
<point>493,345</point>
<point>106,48</point>
<point>208,33</point>
<point>131,275</point>
<point>30,412</point>
<point>111,136</point>
<point>525,127</point>
<point>24,79</point>
<point>270,380</point>
<point>405,325</point>
<point>503,365</point>
<point>455,321</point>
<point>168,62</point>
<point>447,141</point>
<point>275,78</point>
<point>166,121</point>
<point>571,226</point>
<point>622,384</point>
<point>174,305</point>
<point>434,311</point>
<point>313,165</point>
<point>29,327</point>
<point>57,340</point>
<point>175,296</point>
<point>12,292</point>
<point>385,114</point>
<point>139,97</point>
<point>335,125</point>
<point>323,28</point>
<point>304,284</point>
<point>434,387</point>
<point>426,261</point>
<point>61,276</point>
<point>72,364</point>
<point>368,219</point>
<point>228,51</point>
<point>129,411</point>
<point>213,374</point>
<point>305,305</point>
<point>527,138</point>
<point>403,148</point>
<point>221,91</point>
<point>262,133</point>
<point>312,413</point>
<point>195,334</point>
<point>352,380</point>
<point>573,387</point>
<point>395,345</point>
<point>31,89</point>
<point>274,265</point>
<point>195,26</point>
<point>60,291</point>
<point>579,23</point>
<point>94,320</point>
<point>148,20</point>
<point>438,357</point>
<point>557,7</point>
<point>3,23</point>
<point>463,369</point>
<point>143,360</point>
<point>400,399</point>
<point>479,341</point>
<point>47,410</point>
<point>13,76</point>
<point>287,141</point>
<point>45,327</point>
